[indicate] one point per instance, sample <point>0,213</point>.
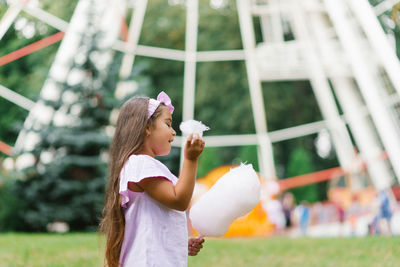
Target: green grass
<point>371,251</point>
<point>85,249</point>
<point>50,250</point>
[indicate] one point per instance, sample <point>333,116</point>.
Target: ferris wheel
<point>339,46</point>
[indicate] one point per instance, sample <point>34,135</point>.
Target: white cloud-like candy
<point>234,195</point>
<point>191,127</point>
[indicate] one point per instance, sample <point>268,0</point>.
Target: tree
<point>300,163</point>
<point>67,181</point>
<point>26,75</point>
<point>209,160</point>
<point>248,154</point>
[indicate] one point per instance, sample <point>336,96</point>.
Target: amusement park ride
<point>338,45</point>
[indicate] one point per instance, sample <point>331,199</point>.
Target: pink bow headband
<point>161,98</point>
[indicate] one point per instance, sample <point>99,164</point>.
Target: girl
<point>144,217</point>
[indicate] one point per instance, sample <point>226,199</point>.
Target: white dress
<point>154,234</point>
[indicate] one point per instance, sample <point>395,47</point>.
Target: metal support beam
<point>252,139</point>
<point>189,75</point>
<point>189,79</point>
<point>266,161</point>
<point>135,28</point>
<point>321,88</point>
<point>363,133</point>
<point>47,18</point>
<point>271,23</point>
<point>180,55</point>
<point>134,31</point>
<point>16,98</point>
<point>385,5</point>
<point>378,39</point>
<point>359,123</point>
<point>383,119</point>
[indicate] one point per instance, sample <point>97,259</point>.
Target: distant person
<point>144,216</point>
<point>353,212</point>
<point>275,214</point>
<point>303,215</point>
<point>288,206</point>
<point>272,205</point>
<point>340,216</point>
<point>385,213</point>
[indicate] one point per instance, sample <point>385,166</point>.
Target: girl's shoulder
<point>146,163</point>
<point>143,160</point>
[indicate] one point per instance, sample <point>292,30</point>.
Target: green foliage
<point>248,154</point>
<point>75,197</point>
<point>294,98</point>
<point>300,163</point>
<point>208,161</point>
<point>221,87</point>
<point>397,38</point>
<point>69,186</point>
<point>26,75</point>
<point>9,207</point>
<point>213,157</point>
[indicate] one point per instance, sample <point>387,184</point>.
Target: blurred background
<point>306,91</point>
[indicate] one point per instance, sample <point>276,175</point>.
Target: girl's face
<point>161,135</point>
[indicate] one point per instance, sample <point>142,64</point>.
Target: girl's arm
<point>177,197</point>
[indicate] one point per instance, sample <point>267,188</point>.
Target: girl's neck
<point>147,152</point>
<point>144,154</point>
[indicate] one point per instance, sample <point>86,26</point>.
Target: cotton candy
<point>234,195</point>
<point>193,127</point>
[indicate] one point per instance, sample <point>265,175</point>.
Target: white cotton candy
<point>193,127</point>
<point>234,195</point>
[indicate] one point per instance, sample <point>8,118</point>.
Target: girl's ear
<point>148,130</point>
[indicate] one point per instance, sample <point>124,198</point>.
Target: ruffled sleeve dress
<point>155,235</point>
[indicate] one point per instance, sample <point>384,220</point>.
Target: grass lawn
<point>85,249</point>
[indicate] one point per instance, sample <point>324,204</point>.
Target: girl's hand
<point>194,147</point>
<point>195,244</point>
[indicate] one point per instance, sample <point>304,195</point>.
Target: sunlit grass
<point>69,250</point>
<point>86,249</point>
<point>369,251</point>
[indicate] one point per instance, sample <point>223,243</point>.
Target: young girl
<point>144,217</point>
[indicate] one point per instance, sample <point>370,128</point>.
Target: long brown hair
<point>128,140</point>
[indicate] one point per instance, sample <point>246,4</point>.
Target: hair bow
<point>161,98</point>
<point>164,98</point>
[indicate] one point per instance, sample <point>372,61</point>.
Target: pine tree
<point>67,182</point>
